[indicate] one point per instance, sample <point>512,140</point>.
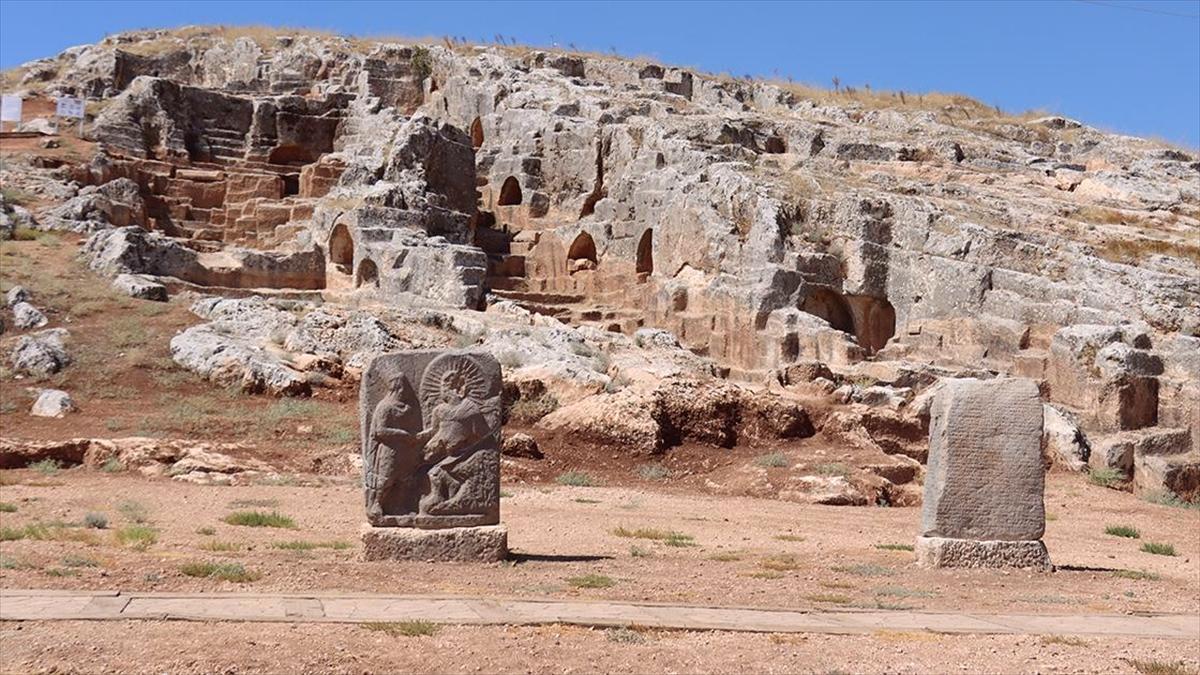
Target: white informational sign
<point>10,109</point>
<point>69,107</point>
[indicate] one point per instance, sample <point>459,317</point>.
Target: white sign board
<point>10,109</point>
<point>69,107</point>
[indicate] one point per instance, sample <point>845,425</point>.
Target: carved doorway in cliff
<point>477,133</point>
<point>875,322</point>
<point>830,306</point>
<point>583,248</point>
<point>645,253</point>
<point>341,248</point>
<point>510,192</point>
<point>368,274</point>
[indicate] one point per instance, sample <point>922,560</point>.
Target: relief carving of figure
<point>431,457</point>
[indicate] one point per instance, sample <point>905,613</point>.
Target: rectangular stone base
<point>488,543</point>
<point>942,552</point>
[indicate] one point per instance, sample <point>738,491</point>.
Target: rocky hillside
<point>657,256</point>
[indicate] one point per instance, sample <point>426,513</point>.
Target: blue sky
<point>1121,65</point>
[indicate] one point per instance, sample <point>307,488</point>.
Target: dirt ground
<point>728,550</point>
<point>179,647</point>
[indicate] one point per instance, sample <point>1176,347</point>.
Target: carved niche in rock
<point>431,439</point>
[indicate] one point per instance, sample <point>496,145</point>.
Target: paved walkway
<point>48,605</point>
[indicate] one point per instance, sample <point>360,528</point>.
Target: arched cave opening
<point>341,246</point>
<point>477,133</point>
<point>510,192</point>
<point>876,322</point>
<point>645,253</point>
<point>871,320</point>
<point>830,306</point>
<point>774,145</point>
<point>368,274</point>
<point>583,248</point>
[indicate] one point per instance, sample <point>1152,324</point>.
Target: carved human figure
<point>396,447</point>
<point>459,423</point>
<point>431,451</point>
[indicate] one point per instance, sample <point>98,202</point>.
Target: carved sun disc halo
<point>451,373</point>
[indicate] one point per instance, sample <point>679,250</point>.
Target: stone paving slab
<point>43,605</point>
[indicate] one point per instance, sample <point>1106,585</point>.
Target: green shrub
<point>1168,498</point>
<point>112,464</point>
<point>79,561</point>
<point>894,547</point>
<point>624,635</point>
<point>59,572</point>
<point>1140,575</point>
<point>1123,531</point>
<point>776,460</point>
<point>591,581</point>
<point>784,562</point>
<point>6,507</point>
<point>1160,667</point>
<point>1106,477</point>
<point>530,410</point>
<point>422,63</point>
<point>653,472</point>
<point>833,469</point>
<point>96,521</point>
<point>260,519</point>
<point>137,537</point>
<point>1159,549</point>
<point>220,546</point>
<point>46,467</point>
<point>206,531</point>
<point>576,479</point>
<point>667,537</point>
<point>402,628</point>
<point>135,512</point>
<point>789,537</point>
<point>310,545</point>
<point>235,572</point>
<point>23,233</point>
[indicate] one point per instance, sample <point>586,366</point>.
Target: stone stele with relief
<point>430,429</point>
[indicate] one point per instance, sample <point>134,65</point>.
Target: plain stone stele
<point>985,479</point>
<point>431,457</point>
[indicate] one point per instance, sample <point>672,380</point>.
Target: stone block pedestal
<point>487,543</point>
<point>946,552</point>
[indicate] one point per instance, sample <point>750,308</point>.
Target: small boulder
<point>52,403</point>
<point>805,371</point>
<point>521,445</point>
<point>17,294</point>
<point>42,353</point>
<point>26,315</point>
<point>141,287</point>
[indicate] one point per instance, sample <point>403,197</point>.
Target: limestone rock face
<point>1064,442</point>
<point>117,203</point>
<point>984,478</point>
<point>141,287</point>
